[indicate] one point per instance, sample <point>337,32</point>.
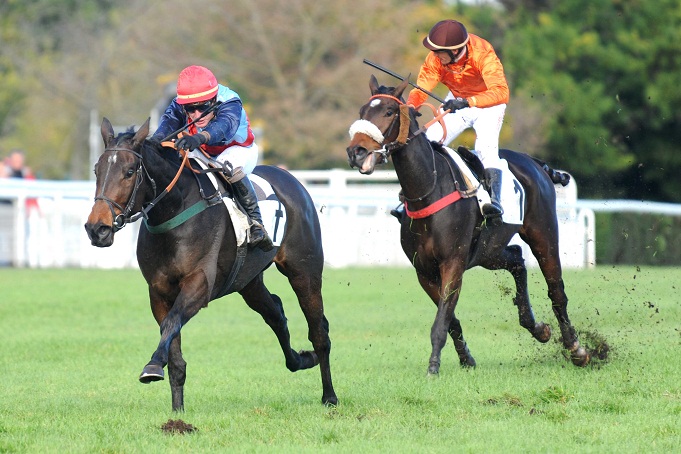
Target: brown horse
<point>446,242</point>
<point>196,259</point>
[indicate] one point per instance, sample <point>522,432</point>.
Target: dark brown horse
<point>194,260</point>
<point>444,244</point>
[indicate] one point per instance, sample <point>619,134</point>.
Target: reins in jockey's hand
<point>173,134</point>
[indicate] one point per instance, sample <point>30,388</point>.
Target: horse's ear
<point>107,132</point>
<point>401,87</point>
<point>141,134</point>
<point>373,84</point>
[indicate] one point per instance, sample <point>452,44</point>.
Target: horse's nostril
<point>356,151</point>
<point>103,230</point>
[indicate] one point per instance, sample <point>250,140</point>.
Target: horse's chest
<point>427,243</point>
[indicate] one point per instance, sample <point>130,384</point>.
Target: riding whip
<point>387,71</point>
<point>175,133</point>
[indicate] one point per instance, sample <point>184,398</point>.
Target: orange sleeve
<point>492,73</point>
<point>428,78</point>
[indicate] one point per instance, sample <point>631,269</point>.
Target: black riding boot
<point>398,211</point>
<point>493,209</point>
<point>243,190</point>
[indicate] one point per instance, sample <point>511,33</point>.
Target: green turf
<point>74,341</point>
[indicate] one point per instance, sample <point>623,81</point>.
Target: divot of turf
<point>177,426</point>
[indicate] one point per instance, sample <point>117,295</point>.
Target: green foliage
<point>75,340</point>
<point>638,239</point>
<point>607,73</point>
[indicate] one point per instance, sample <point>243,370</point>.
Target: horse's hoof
<point>542,332</point>
<point>330,401</point>
<point>467,363</point>
<point>433,371</point>
<point>151,373</point>
<point>580,357</point>
<point>304,359</point>
<point>308,359</point>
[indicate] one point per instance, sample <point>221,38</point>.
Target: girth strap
<point>179,219</point>
<point>434,207</point>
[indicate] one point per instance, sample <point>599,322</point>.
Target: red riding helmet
<point>446,35</point>
<point>196,84</point>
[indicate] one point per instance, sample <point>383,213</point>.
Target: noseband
<point>125,214</point>
<point>402,136</point>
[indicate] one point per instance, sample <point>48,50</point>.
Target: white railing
<point>354,212</point>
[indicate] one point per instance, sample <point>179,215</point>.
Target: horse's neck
<point>423,173</point>
<point>162,171</point>
<point>415,167</point>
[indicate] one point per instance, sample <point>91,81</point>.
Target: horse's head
<point>383,120</point>
<point>119,174</point>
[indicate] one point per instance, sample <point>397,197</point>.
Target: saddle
<point>272,211</point>
<point>472,172</point>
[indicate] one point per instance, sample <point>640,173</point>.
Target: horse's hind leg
<point>269,306</point>
<point>305,277</point>
<point>545,248</point>
<point>512,260</point>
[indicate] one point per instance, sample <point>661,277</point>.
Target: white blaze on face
<point>111,160</point>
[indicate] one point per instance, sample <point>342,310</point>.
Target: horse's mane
<point>151,145</point>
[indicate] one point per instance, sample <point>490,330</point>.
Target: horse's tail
<point>556,176</point>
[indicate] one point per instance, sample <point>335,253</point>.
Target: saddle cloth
<point>512,192</point>
<point>272,211</point>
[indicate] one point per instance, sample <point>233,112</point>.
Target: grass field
<point>74,341</point>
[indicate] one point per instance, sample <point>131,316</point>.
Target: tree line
<point>593,84</point>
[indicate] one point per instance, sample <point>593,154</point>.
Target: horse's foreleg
<point>177,373</point>
<point>465,357</point>
<point>192,298</point>
<point>445,296</point>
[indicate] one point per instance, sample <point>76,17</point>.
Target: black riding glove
<point>190,142</point>
<point>455,104</point>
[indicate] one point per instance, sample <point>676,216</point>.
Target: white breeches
<point>238,156</point>
<point>485,121</point>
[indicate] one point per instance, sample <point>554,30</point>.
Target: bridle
<point>403,138</point>
<point>126,215</point>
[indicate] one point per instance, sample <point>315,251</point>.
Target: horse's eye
<point>129,173</point>
<point>389,113</point>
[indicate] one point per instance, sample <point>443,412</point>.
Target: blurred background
<point>594,85</point>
